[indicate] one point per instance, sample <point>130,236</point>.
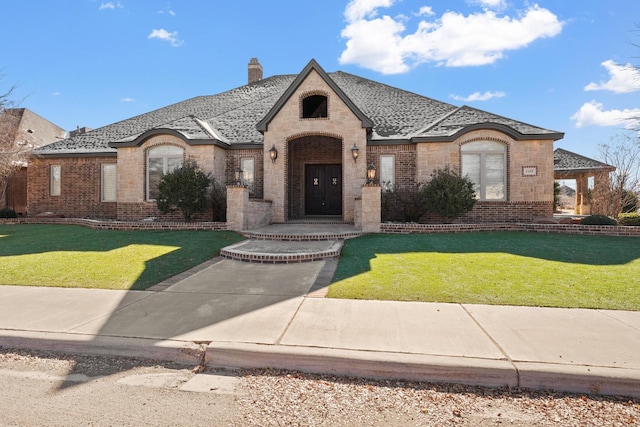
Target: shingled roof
<point>567,163</point>
<point>230,118</point>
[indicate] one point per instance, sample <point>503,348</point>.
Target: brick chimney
<point>255,71</point>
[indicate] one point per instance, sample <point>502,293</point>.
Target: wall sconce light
<point>273,153</point>
<point>354,152</point>
<point>371,174</point>
<point>239,176</point>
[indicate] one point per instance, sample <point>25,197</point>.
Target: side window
<point>160,161</point>
<point>247,164</point>
<point>485,163</point>
<point>55,177</point>
<point>108,183</point>
<point>314,107</point>
<point>387,172</point>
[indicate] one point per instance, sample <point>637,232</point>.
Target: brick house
<point>303,143</point>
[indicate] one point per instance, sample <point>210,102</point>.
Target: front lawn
<point>510,268</point>
<point>74,256</point>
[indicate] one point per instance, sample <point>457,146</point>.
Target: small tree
<point>15,146</point>
<point>448,194</point>
<point>623,152</point>
<point>184,189</point>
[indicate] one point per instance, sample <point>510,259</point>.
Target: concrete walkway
<point>238,314</point>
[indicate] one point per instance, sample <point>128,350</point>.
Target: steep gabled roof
<point>237,118</point>
<point>312,66</point>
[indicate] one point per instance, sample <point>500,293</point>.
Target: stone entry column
<point>237,207</point>
<point>582,196</point>
<point>371,208</point>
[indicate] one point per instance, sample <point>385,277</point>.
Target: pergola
<point>569,165</point>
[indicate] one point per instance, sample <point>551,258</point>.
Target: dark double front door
<point>323,190</point>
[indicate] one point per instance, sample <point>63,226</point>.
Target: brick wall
<point>233,161</point>
<point>405,162</point>
<point>79,188</point>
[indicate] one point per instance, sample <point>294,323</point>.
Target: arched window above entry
<point>160,161</point>
<point>485,163</point>
<point>314,107</point>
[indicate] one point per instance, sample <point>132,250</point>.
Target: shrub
<point>218,195</point>
<point>405,205</point>
<point>8,213</point>
<point>598,220</point>
<point>448,194</point>
<point>184,189</point>
<point>632,219</point>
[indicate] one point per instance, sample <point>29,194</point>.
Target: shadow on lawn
<point>193,247</point>
<point>563,248</point>
<point>224,301</point>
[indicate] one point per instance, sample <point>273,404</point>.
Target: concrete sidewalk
<point>235,314</point>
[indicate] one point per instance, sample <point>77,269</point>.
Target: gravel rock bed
<point>275,398</point>
<point>280,398</point>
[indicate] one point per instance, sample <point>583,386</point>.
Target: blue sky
<point>558,64</point>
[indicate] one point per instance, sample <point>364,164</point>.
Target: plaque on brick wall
<point>529,171</point>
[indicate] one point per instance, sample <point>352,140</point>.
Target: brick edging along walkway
<point>387,228</point>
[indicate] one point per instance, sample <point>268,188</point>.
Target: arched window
<point>314,107</point>
<point>160,161</point>
<point>485,163</point>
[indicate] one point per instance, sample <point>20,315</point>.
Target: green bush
<point>632,219</point>
<point>448,194</point>
<point>218,195</point>
<point>8,213</point>
<point>405,205</point>
<point>184,189</point>
<point>598,220</point>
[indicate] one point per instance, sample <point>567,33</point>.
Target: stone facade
<point>288,127</point>
<point>311,124</point>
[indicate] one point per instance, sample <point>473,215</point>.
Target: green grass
<point>510,268</point>
<point>73,256</point>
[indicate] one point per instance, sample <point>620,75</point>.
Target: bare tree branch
<point>623,152</point>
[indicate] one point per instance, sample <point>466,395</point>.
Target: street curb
<point>429,368</point>
<point>366,364</point>
<point>580,379</point>
<point>180,352</point>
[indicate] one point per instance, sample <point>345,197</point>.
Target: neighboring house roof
<point>29,128</point>
<point>236,118</point>
<point>567,163</point>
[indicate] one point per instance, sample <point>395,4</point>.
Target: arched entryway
<point>315,184</point>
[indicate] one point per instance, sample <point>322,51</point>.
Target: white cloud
<point>127,99</point>
<point>426,11</point>
<point>453,39</point>
<point>110,5</point>
<point>592,114</point>
<point>490,4</point>
<point>622,78</point>
<point>164,35</point>
<point>56,93</point>
<point>477,96</point>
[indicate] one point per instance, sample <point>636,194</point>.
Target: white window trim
<point>165,164</point>
<point>252,184</point>
<point>392,182</point>
<point>102,179</point>
<point>482,184</point>
<point>55,180</point>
